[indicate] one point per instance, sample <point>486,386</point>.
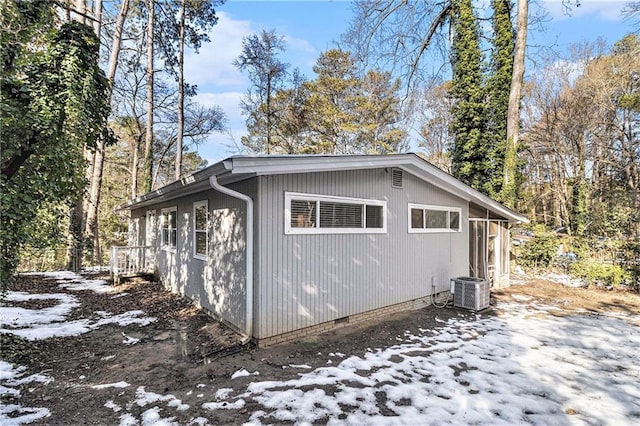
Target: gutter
<point>213,181</point>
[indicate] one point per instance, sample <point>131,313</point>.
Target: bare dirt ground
<point>187,354</point>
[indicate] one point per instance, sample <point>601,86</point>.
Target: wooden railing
<point>128,261</point>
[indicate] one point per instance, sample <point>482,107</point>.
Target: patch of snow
<point>124,293</point>
<point>38,324</point>
<point>128,340</point>
<point>523,367</point>
<point>55,329</point>
<point>121,384</point>
<point>200,421</point>
<point>115,407</point>
<point>15,317</point>
<point>15,414</point>
<point>128,420</point>
<point>127,318</point>
<point>563,279</point>
<point>224,405</point>
<point>223,393</point>
<point>201,385</point>
<point>300,366</point>
<point>243,373</point>
<point>144,398</point>
<point>108,358</point>
<point>97,286</point>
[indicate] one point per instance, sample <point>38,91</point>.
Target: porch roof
<point>238,168</point>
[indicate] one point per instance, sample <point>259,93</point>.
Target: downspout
<point>213,181</point>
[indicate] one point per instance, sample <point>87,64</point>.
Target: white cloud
<point>299,44</point>
<point>213,65</point>
<point>608,10</point>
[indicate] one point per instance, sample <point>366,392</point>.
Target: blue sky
<point>312,26</point>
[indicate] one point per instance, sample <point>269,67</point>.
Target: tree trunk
<point>134,167</point>
<point>81,6</point>
<point>97,12</point>
<point>148,142</point>
<point>513,113</point>
<point>180,134</point>
<point>74,238</point>
<point>91,223</point>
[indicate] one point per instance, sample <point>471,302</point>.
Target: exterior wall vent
<point>397,177</point>
<point>342,320</point>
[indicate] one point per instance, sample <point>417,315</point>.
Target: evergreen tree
<point>469,153</point>
<point>378,112</point>
<point>498,87</point>
<point>332,100</point>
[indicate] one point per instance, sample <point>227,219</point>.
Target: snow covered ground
<point>524,366</point>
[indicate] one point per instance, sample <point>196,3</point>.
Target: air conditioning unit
<point>471,293</point>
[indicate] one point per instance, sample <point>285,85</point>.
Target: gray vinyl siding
<point>217,283</point>
<point>309,279</point>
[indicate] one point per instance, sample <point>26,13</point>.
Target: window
<point>200,234</point>
<point>323,214</point>
<point>424,218</point>
<point>169,220</point>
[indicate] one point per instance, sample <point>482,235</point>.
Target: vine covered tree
<point>469,154</point>
<point>498,88</point>
<point>53,105</point>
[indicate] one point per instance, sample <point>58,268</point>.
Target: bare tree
<point>259,58</point>
<point>148,141</point>
<point>91,222</point>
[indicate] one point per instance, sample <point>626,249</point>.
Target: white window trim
<point>289,230</point>
<point>163,243</point>
<point>433,230</point>
<point>197,204</point>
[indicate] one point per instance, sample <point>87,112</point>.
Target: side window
<point>169,220</point>
<point>426,218</point>
<point>200,227</point>
<point>324,214</point>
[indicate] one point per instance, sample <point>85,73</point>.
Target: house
<point>281,246</point>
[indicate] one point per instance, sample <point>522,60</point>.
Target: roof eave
<point>190,184</point>
<point>238,168</point>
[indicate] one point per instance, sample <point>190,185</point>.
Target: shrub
<point>599,273</point>
<point>540,251</point>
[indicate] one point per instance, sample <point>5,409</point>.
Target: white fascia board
<point>275,165</point>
